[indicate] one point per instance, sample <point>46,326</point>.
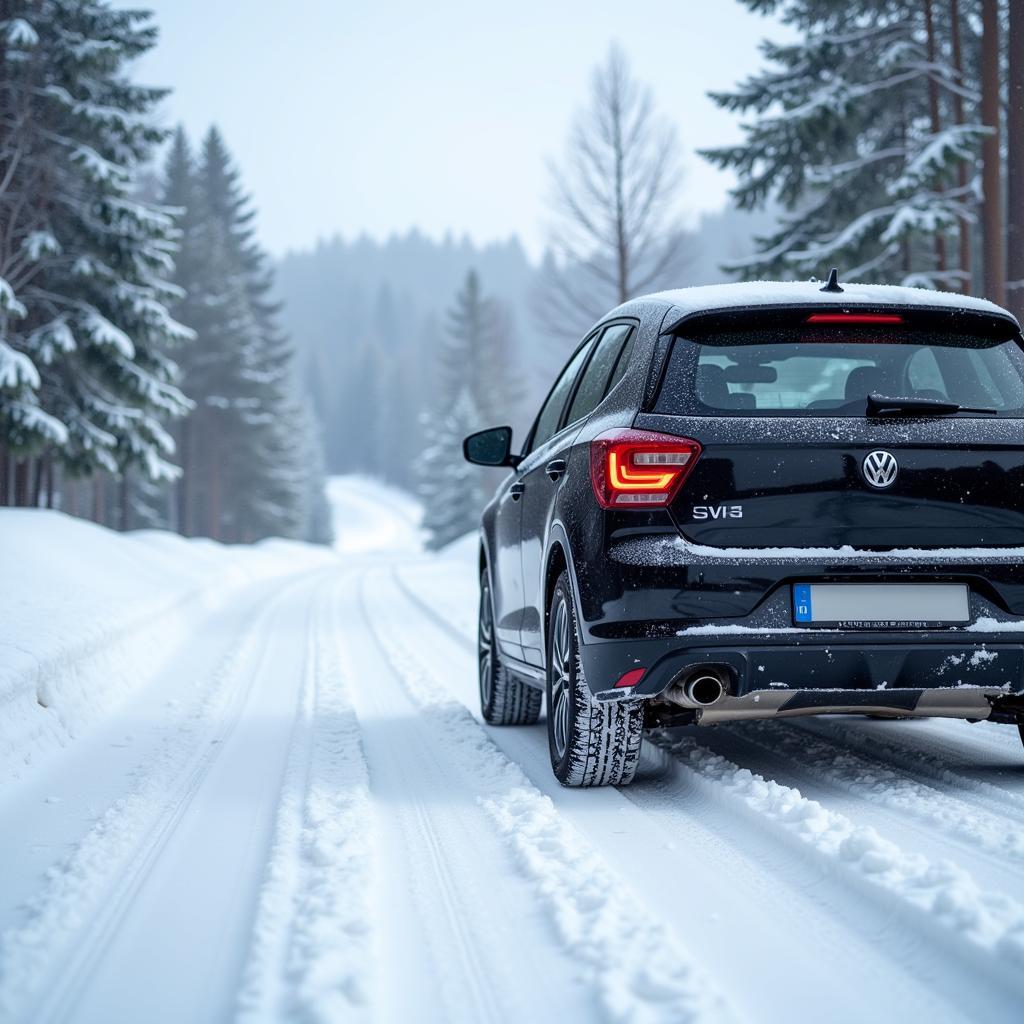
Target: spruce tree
<point>253,466</point>
<point>853,132</point>
<point>478,385</point>
<point>86,368</point>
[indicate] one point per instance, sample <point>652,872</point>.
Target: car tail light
<point>630,678</point>
<point>854,318</point>
<point>638,468</point>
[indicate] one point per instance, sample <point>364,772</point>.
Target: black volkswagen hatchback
<point>756,501</point>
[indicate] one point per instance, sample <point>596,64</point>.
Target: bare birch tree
<point>993,239</point>
<point>1015,163</point>
<point>615,232</point>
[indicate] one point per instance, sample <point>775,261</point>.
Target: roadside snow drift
<point>87,614</point>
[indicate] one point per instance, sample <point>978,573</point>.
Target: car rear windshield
<point>805,372</point>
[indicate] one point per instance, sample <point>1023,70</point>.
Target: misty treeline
<point>891,134</point>
<point>372,322</point>
<point>414,352</point>
<point>144,379</point>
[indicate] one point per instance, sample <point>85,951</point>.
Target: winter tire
<point>504,700</point>
<point>591,744</point>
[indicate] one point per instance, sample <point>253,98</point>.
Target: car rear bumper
<point>975,704</point>
<point>943,674</point>
<point>657,584</point>
<point>667,606</point>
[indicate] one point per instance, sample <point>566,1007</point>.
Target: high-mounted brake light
<point>638,468</point>
<point>854,318</point>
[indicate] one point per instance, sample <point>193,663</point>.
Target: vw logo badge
<point>880,469</point>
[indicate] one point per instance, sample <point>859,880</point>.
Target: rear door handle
<point>555,468</point>
<point>516,490</point>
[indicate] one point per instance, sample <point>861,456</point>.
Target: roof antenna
<point>832,285</point>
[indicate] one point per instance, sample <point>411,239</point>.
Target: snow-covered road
<point>298,815</point>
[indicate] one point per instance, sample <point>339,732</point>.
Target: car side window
<point>623,362</point>
<point>595,377</point>
<point>551,412</point>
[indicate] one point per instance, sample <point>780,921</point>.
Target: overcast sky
<point>378,117</point>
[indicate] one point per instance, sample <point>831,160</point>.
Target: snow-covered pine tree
<point>854,134</point>
<point>85,372</point>
<point>250,453</point>
<point>452,492</point>
<point>478,385</point>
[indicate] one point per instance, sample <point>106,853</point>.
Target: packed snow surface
<point>252,784</point>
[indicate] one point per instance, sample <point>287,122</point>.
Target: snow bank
<point>86,614</point>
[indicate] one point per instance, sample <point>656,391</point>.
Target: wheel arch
<point>557,562</point>
<point>484,563</point>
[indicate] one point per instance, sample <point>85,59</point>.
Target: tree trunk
<point>98,499</point>
<point>185,483</point>
<point>991,171</point>
<point>1015,165</point>
<point>961,167</point>
<point>37,482</point>
<point>69,493</point>
<point>21,483</point>
<point>122,501</point>
<point>933,111</point>
<point>5,473</point>
<point>214,491</point>
<point>48,463</point>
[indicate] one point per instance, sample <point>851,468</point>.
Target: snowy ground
<point>259,790</point>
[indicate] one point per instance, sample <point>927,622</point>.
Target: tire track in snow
<point>87,896</point>
<point>875,782</point>
<point>975,920</point>
<point>639,965</point>
<point>444,885</point>
<point>910,757</point>
<point>308,957</point>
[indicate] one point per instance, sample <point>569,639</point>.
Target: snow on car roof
<point>705,298</point>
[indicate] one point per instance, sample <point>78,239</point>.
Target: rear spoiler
<point>944,318</point>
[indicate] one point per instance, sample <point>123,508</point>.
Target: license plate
<point>880,605</point>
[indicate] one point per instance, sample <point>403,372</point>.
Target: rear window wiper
<point>880,404</point>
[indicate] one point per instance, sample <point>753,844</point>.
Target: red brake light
<point>854,318</point>
<point>638,468</point>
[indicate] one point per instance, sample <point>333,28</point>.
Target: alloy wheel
<point>561,666</point>
<point>485,645</point>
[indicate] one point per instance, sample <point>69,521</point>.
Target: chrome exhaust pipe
<point>702,688</point>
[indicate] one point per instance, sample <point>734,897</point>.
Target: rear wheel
<point>591,744</point>
<point>504,700</point>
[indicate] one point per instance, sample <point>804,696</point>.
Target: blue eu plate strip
<point>802,602</point>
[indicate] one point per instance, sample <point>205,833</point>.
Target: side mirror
<point>490,448</point>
